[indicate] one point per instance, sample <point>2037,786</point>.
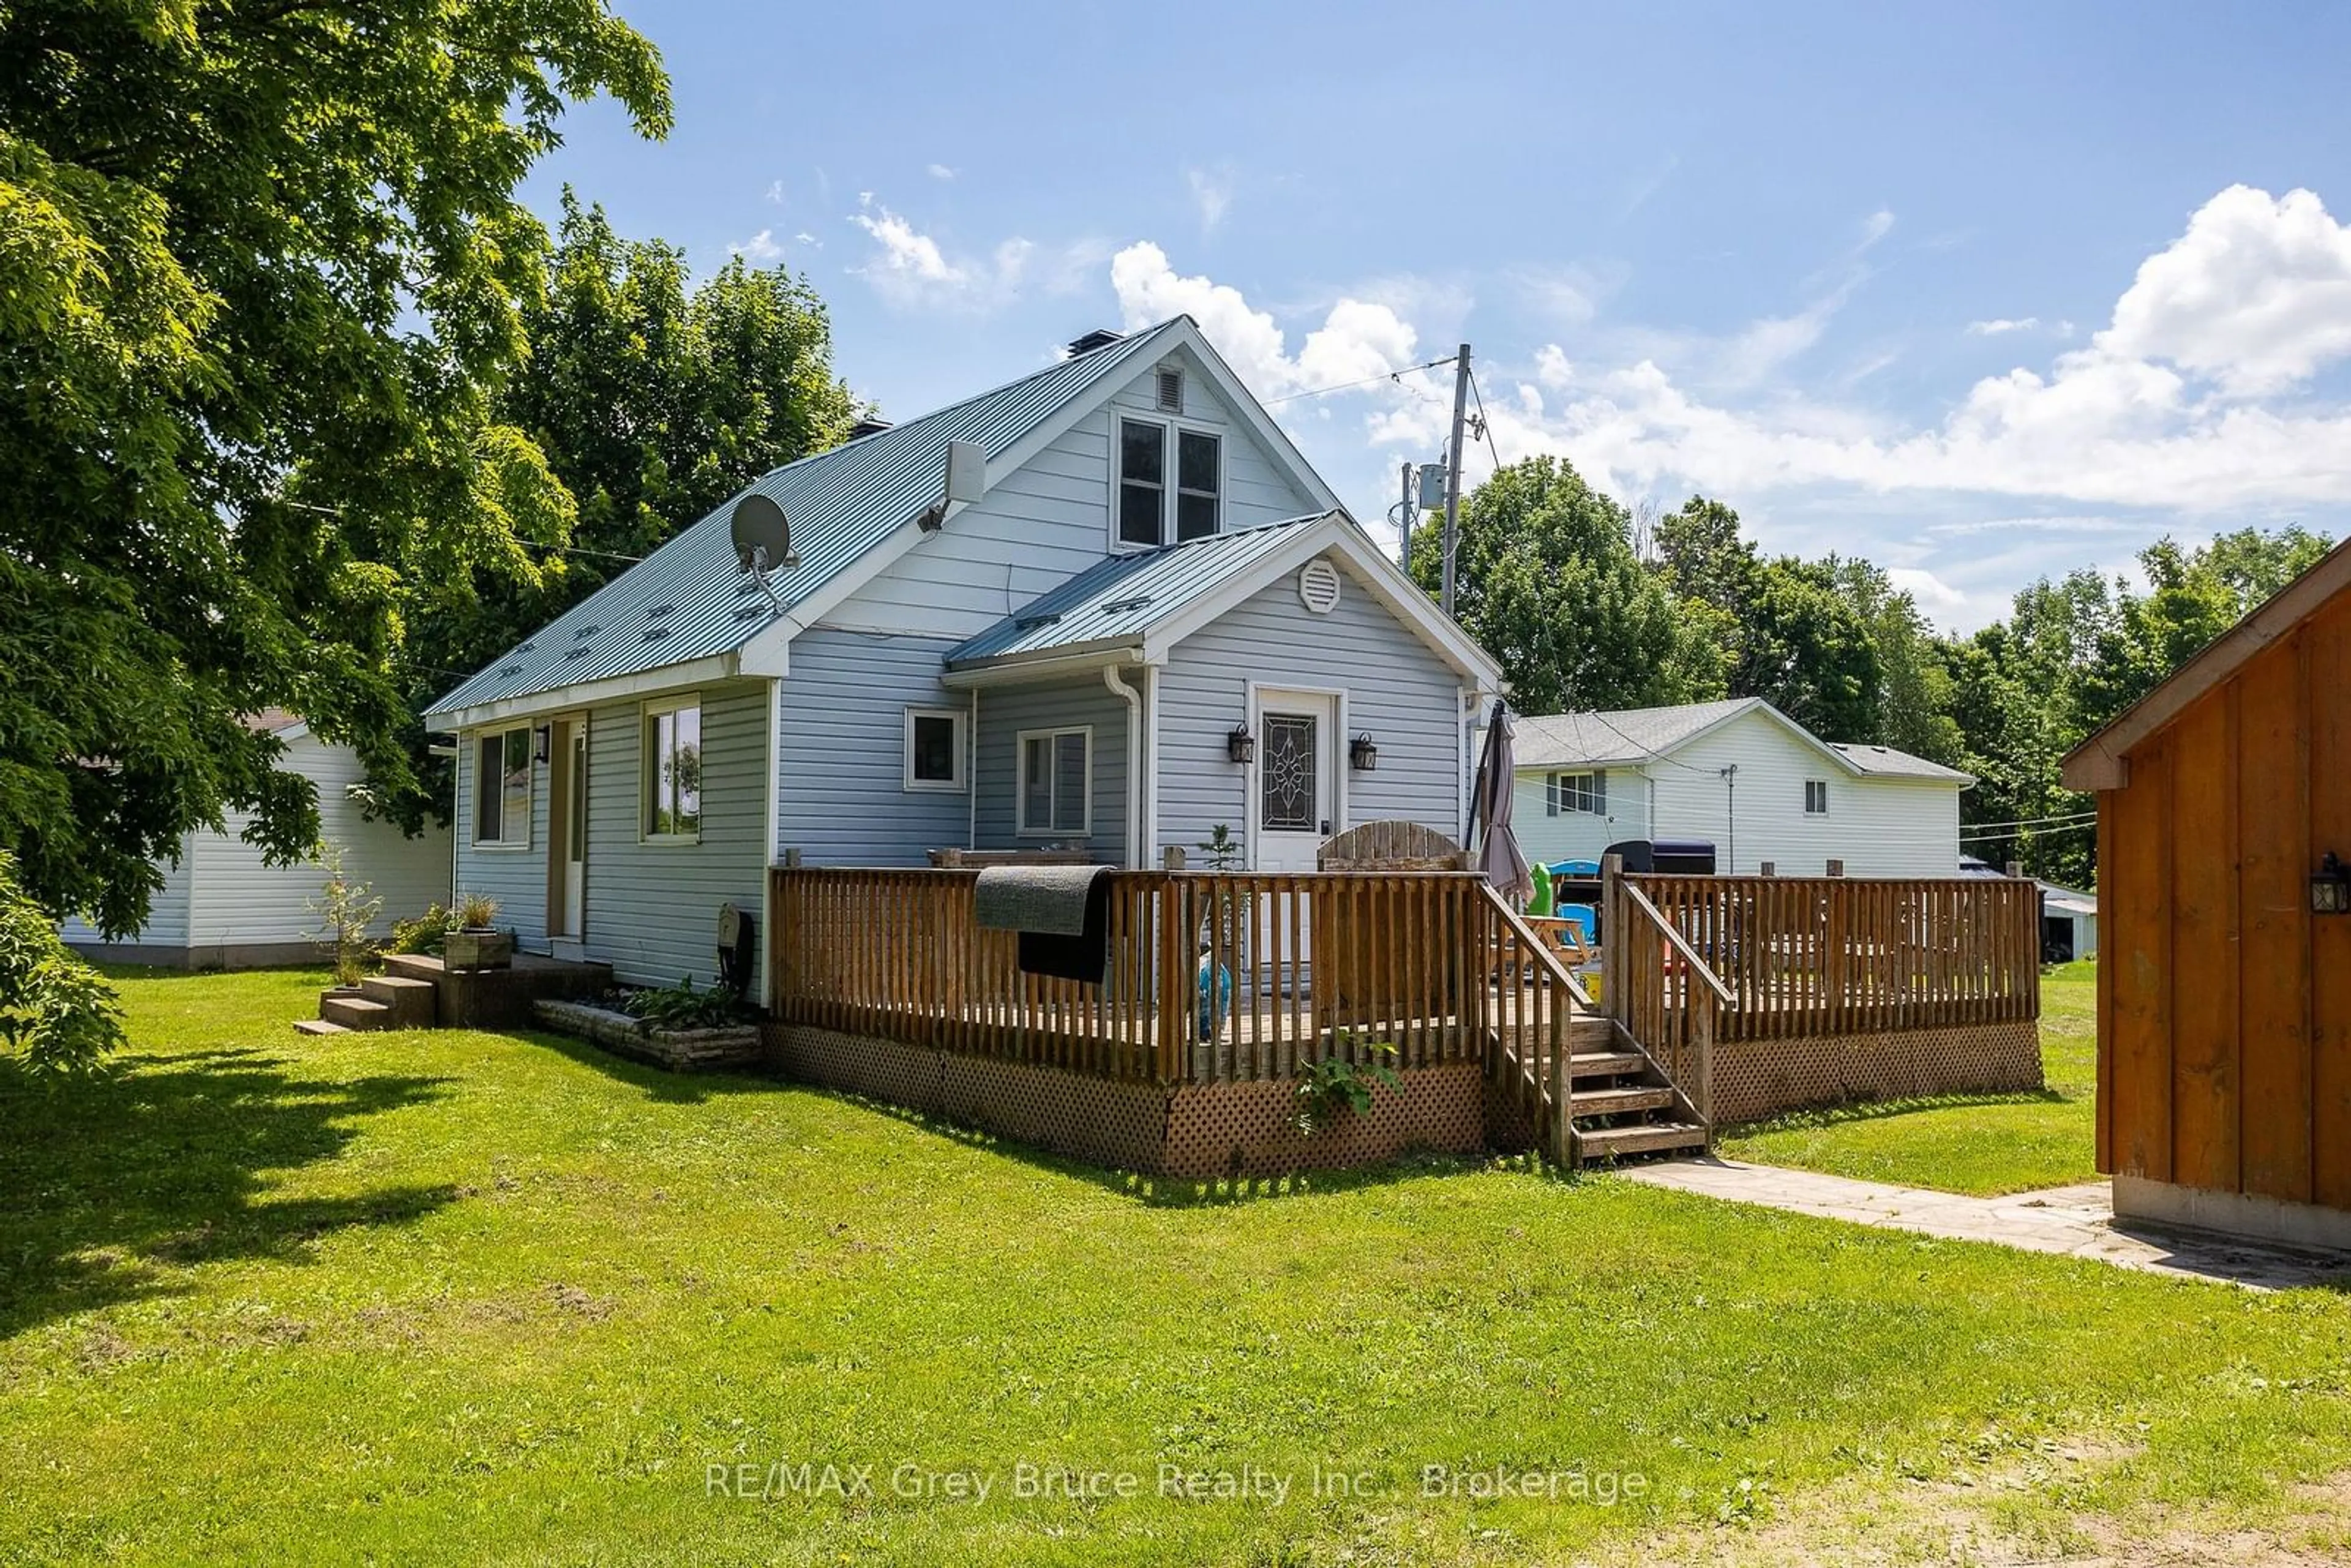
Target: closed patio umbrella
<point>1489,809</point>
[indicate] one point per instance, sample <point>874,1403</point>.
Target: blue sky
<point>1981,294</point>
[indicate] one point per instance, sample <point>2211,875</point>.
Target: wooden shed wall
<point>2224,1058</point>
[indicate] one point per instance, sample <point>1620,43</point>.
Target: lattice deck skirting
<point>1753,1079</point>
<point>1201,1130</point>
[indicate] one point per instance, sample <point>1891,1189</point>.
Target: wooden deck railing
<point>1212,976</point>
<point>1663,991</point>
<point>1811,956</point>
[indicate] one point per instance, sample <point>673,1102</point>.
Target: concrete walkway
<point>2077,1221</point>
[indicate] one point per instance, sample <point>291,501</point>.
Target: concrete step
<point>1652,1138</point>
<point>354,1013</point>
<point>413,967</point>
<point>411,1000</point>
<point>1618,1102</point>
<point>318,1025</point>
<point>1605,1063</point>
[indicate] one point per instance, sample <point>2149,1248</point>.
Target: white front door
<point>1297,778</point>
<point>574,847</point>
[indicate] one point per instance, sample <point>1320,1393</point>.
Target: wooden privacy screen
<point>2224,1006</point>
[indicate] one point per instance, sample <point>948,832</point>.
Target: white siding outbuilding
<point>221,907</point>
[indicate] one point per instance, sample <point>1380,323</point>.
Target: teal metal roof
<point>690,599</point>
<point>1125,596</point>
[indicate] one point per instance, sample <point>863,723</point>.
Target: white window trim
<point>647,711</point>
<point>502,846</point>
<point>960,781</point>
<point>1824,786</point>
<point>1170,452</point>
<point>1556,796</point>
<point>1021,827</point>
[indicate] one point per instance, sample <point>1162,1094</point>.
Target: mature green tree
<point>260,275</point>
<point>1547,582</point>
<point>652,400</point>
<point>1914,681</point>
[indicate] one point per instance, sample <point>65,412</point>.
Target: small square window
<point>1816,797</point>
<point>1056,783</point>
<point>502,777</point>
<point>1581,794</point>
<point>1141,482</point>
<point>673,782</point>
<point>934,748</point>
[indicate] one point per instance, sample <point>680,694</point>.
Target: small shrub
<point>681,1007</point>
<point>345,907</point>
<point>424,933</point>
<point>476,911</point>
<point>1333,1086</point>
<point>55,1009</point>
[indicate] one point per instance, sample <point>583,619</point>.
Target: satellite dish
<point>763,540</point>
<point>763,534</point>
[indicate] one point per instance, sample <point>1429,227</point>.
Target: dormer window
<point>1150,510</point>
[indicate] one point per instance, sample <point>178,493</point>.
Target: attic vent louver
<point>1171,391</point>
<point>1099,338</point>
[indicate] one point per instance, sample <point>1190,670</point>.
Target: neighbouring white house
<point>1740,775</point>
<point>221,908</point>
<point>1104,609</point>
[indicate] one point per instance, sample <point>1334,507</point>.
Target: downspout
<point>971,779</point>
<point>1473,703</point>
<point>775,831</point>
<point>1135,823</point>
<point>1150,764</point>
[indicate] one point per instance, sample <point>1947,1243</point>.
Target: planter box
<point>478,950</point>
<point>678,1050</point>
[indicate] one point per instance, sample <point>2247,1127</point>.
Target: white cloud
<point>939,172</point>
<point>2000,326</point>
<point>759,249</point>
<point>776,191</point>
<point>909,269</point>
<point>1212,195</point>
<point>2256,295</point>
<point>1358,337</point>
<point>1875,227</point>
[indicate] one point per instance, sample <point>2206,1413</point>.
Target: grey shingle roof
<point>1628,736</point>
<point>1125,595</point>
<point>689,600</point>
<point>1625,734</point>
<point>1884,762</point>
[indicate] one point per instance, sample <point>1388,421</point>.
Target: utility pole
<point>1405,514</point>
<point>1453,472</point>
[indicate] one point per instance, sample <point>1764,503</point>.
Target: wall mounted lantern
<point>1241,745</point>
<point>542,742</point>
<point>2330,887</point>
<point>1363,754</point>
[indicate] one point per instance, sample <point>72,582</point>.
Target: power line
<point>1396,376</point>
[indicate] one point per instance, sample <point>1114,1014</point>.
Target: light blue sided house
<point>1154,618</point>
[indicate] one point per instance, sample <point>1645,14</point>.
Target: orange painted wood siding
<point>2224,1040</point>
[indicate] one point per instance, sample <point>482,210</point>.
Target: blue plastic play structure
<point>1214,1008</point>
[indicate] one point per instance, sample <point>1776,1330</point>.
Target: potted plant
<point>477,943</point>
<point>345,907</point>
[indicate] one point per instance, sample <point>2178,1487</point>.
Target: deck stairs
<point>1620,1105</point>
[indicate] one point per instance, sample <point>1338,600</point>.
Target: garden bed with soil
<point>678,1050</point>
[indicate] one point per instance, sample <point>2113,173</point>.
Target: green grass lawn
<point>1981,1143</point>
<point>466,1297</point>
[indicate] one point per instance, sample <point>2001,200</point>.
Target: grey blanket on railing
<point>1035,897</point>
<point>1062,913</point>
